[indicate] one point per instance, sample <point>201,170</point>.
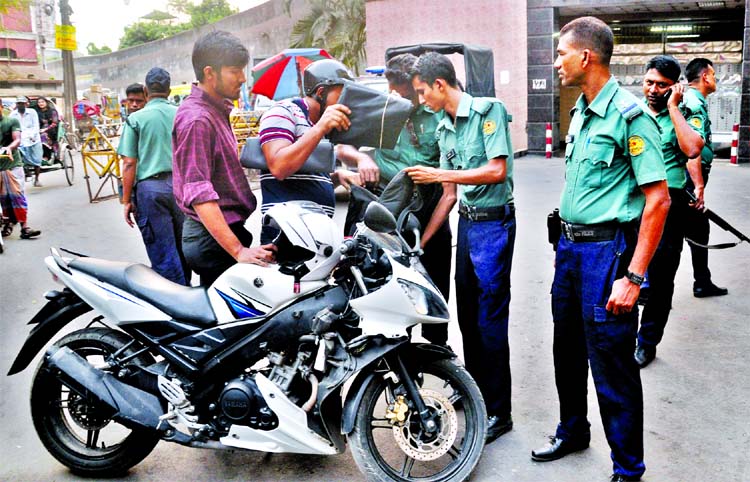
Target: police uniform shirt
<point>696,114</point>
<point>674,158</point>
<point>613,147</point>
<point>147,136</point>
<point>416,145</point>
<point>480,132</point>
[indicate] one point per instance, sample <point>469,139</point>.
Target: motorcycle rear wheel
<point>386,453</point>
<point>76,430</point>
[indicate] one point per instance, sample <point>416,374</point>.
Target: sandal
<point>7,229</point>
<point>28,233</point>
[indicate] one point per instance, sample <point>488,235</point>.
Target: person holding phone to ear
<point>680,141</point>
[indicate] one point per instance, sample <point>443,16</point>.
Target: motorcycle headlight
<point>425,301</point>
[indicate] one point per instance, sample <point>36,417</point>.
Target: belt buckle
<point>471,213</point>
<point>568,230</point>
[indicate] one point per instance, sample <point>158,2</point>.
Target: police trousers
<point>160,221</point>
<point>697,228</point>
<point>483,262</point>
<point>585,333</point>
<point>662,271</point>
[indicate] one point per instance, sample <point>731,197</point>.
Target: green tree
<point>208,11</point>
<point>337,26</point>
<point>143,32</point>
<point>92,49</point>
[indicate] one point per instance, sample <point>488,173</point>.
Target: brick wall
<point>498,24</point>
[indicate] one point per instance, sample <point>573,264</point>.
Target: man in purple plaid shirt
<point>208,181</point>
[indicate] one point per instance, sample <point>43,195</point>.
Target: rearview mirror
<point>379,219</point>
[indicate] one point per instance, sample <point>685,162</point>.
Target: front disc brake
<point>419,446</point>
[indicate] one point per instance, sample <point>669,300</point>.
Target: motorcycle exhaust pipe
<point>133,407</point>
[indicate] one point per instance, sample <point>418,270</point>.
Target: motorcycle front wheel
<point>78,430</point>
<point>388,442</point>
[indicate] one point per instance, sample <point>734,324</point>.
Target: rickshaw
<point>60,158</point>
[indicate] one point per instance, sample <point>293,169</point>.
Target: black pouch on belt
<point>553,228</point>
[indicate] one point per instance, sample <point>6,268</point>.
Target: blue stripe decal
<point>241,310</point>
<point>118,295</point>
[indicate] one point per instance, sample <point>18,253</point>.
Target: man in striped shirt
<point>289,133</point>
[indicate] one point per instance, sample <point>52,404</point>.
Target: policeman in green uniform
<point>417,146</point>
<point>681,139</point>
<point>614,176</point>
<point>476,153</point>
<point>702,79</point>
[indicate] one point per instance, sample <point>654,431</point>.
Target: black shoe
<point>557,449</point>
<point>622,478</point>
<point>496,427</point>
<point>705,290</point>
<point>644,355</point>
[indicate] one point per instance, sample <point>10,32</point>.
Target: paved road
<point>697,394</point>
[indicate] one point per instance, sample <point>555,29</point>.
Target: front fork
<point>427,419</point>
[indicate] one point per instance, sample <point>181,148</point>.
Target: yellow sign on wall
<point>65,37</point>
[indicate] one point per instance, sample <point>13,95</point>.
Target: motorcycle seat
<point>184,303</point>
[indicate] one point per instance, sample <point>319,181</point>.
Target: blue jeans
<point>586,333</point>
<point>483,260</point>
<point>160,221</point>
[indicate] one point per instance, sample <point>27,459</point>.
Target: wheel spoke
<point>455,398</point>
<point>380,423</point>
<point>408,464</point>
<point>92,437</point>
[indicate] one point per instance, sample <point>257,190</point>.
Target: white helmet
<point>307,236</point>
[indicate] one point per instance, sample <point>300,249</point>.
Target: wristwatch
<point>635,278</point>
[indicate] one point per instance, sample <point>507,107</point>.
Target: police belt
<point>159,176</point>
<point>590,233</point>
<point>493,213</point>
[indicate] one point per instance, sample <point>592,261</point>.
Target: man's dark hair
<point>432,66</point>
<point>136,88</point>
<point>593,34</point>
<point>666,65</point>
<point>218,49</point>
<point>398,69</point>
<point>696,67</point>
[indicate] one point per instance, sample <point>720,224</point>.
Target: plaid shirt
<point>205,164</point>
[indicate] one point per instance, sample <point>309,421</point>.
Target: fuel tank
<point>247,290</point>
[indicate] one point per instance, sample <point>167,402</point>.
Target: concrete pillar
<point>743,148</point>
<point>543,88</point>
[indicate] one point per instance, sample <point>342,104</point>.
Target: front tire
<point>385,451</point>
<point>77,430</point>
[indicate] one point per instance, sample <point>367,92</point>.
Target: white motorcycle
<point>260,360</point>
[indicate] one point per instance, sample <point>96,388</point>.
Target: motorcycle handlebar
<point>348,246</point>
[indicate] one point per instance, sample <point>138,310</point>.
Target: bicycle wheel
<point>68,166</point>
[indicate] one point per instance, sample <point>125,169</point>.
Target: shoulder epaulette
<point>483,104</point>
<point>629,109</point>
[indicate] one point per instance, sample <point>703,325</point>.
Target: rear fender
<point>62,308</point>
<point>412,355</point>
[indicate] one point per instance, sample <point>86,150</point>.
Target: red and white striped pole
<point>548,145</point>
<point>735,141</point>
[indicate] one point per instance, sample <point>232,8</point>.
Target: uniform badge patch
<point>489,127</point>
<point>636,145</point>
<point>696,122</point>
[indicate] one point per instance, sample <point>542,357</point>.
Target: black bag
<point>377,118</point>
<point>322,159</point>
